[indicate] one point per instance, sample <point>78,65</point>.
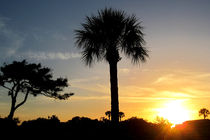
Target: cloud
<point>136,90</point>
<point>137,99</point>
<point>10,39</point>
<point>59,36</point>
<point>93,84</point>
<point>93,89</point>
<point>16,44</point>
<point>165,78</point>
<point>49,55</point>
<point>84,80</point>
<point>203,75</point>
<point>82,98</point>
<point>171,94</point>
<point>123,99</point>
<point>183,79</point>
<point>124,70</point>
<point>198,93</point>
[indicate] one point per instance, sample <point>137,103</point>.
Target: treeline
<point>86,128</point>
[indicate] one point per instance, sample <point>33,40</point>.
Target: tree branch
<point>26,96</point>
<point>11,90</point>
<point>57,96</point>
<point>17,90</point>
<point>6,87</point>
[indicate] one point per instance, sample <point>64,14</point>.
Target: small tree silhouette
<point>163,122</point>
<point>204,112</point>
<point>121,115</point>
<point>21,77</point>
<point>108,114</point>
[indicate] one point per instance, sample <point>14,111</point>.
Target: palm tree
<point>121,115</point>
<point>205,112</point>
<point>103,37</point>
<point>108,113</point>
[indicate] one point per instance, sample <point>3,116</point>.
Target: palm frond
<point>133,41</point>
<point>103,35</point>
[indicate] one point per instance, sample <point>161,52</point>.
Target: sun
<point>175,112</point>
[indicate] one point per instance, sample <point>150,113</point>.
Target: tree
<point>103,37</point>
<point>162,122</point>
<point>121,115</point>
<point>21,77</point>
<point>108,114</point>
<point>204,112</point>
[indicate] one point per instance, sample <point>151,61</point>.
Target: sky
<point>177,36</point>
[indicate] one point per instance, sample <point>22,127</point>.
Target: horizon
<point>175,77</point>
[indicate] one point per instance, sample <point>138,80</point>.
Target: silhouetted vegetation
<point>103,37</point>
<point>86,128</point>
<point>163,122</point>
<point>121,115</point>
<point>108,114</point>
<point>204,112</point>
<point>21,77</point>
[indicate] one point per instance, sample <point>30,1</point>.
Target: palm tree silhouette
<point>103,37</point>
<point>108,113</point>
<point>121,115</point>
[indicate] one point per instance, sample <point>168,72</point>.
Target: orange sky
<point>143,93</point>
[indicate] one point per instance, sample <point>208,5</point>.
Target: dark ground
<point>81,128</point>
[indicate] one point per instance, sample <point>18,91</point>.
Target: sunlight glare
<point>175,112</point>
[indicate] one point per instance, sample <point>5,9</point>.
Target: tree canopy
<point>108,113</point>
<point>25,78</point>
<point>105,35</point>
<point>204,112</point>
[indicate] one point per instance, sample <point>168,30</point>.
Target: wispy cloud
<point>59,36</point>
<point>124,70</point>
<point>137,99</point>
<point>96,89</point>
<point>136,90</point>
<point>171,94</point>
<point>82,98</point>
<point>125,99</point>
<point>11,40</point>
<point>82,80</point>
<point>203,75</point>
<point>164,78</point>
<point>49,55</point>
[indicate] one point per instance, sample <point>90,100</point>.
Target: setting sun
<point>175,112</point>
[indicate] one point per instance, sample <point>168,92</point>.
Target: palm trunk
<point>114,92</point>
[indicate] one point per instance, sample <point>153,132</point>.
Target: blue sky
<point>176,31</point>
